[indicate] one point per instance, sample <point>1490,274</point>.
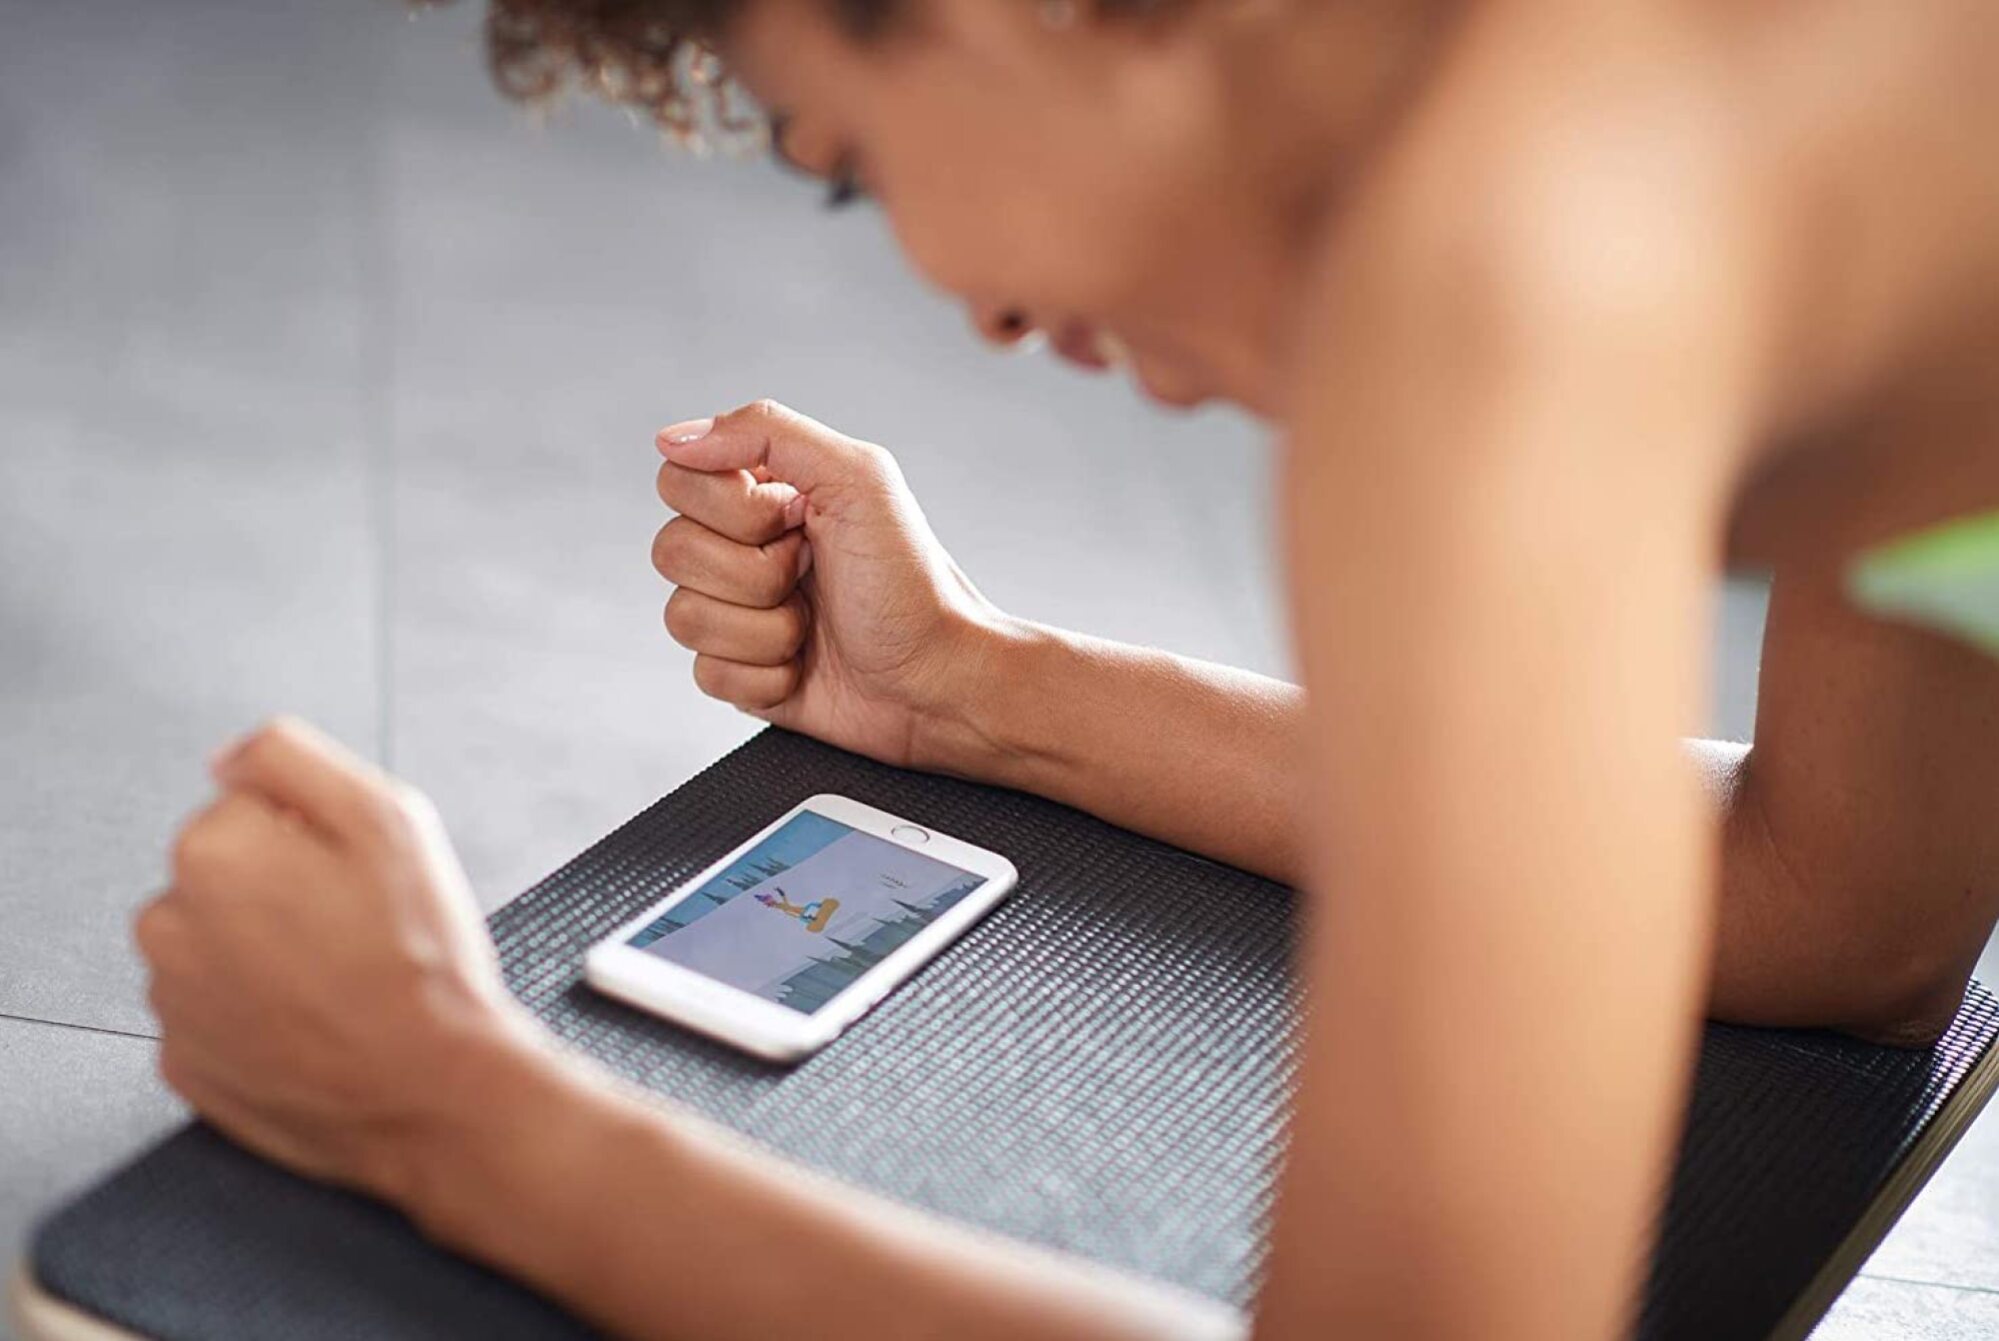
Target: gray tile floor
<point>327,384</point>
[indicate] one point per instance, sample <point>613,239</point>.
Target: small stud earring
<point>1057,15</point>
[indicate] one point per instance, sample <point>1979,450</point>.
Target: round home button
<point>909,833</point>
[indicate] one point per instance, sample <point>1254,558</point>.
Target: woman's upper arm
<point>1861,852</point>
<point>1501,499</point>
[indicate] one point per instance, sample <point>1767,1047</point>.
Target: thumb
<point>788,446</point>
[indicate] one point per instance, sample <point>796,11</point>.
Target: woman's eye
<point>843,185</point>
<point>843,180</point>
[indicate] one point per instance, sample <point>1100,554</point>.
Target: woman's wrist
<point>506,1106</point>
<point>982,721</point>
<point>547,1171</point>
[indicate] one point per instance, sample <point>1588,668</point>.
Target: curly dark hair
<point>655,57</point>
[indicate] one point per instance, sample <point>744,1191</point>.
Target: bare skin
<point>1839,905</point>
<point>1556,305</point>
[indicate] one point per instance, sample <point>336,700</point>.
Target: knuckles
<point>413,803</point>
<point>684,621</point>
<point>687,555</point>
<point>690,620</point>
<point>773,575</point>
<point>797,617</point>
<point>785,683</point>
<point>768,411</point>
<point>878,458</point>
<point>773,687</point>
<point>156,996</point>
<point>155,928</point>
<point>203,853</point>
<point>273,740</point>
<point>669,548</point>
<point>752,688</point>
<point>710,676</point>
<point>388,820</point>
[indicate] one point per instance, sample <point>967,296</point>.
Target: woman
<point>1555,307</point>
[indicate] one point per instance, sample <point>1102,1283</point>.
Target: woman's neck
<point>1314,90</point>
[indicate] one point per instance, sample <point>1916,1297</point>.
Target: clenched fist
<point>321,975</point>
<point>811,588</point>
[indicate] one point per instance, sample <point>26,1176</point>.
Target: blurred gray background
<point>328,384</point>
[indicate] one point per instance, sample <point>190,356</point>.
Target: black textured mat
<point>1101,1065</point>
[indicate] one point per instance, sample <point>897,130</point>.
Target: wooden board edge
<point>40,1316</point>
<point>1932,1145</point>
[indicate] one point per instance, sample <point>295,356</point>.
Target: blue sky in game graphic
<point>851,897</point>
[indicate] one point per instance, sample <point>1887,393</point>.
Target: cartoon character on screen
<point>815,915</point>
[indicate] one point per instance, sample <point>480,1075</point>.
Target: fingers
<point>688,554</point>
<point>732,503</point>
<point>217,846</point>
<point>294,766</point>
<point>160,931</point>
<point>783,444</point>
<point>754,637</point>
<point>751,688</point>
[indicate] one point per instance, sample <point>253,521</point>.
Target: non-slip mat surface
<point>1101,1065</point>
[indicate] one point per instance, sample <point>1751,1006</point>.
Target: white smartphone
<point>782,944</point>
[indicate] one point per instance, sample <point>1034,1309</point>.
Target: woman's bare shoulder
<point>1566,207</point>
<point>1678,183</point>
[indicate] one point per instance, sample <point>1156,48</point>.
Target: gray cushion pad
<point>1101,1066</point>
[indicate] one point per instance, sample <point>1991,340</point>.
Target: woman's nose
<point>1003,326</point>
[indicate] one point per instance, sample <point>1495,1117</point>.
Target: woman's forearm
<point>653,1224</point>
<point>1196,754</point>
<point>1201,756</point>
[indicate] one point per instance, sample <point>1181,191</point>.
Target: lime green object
<point>1945,578</point>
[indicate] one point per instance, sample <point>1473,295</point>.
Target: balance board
<point>1101,1066</point>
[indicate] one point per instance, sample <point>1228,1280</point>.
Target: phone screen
<point>799,917</point>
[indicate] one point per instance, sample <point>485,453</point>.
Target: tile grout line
<point>71,1024</point>
<point>376,257</point>
<point>1928,1284</point>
